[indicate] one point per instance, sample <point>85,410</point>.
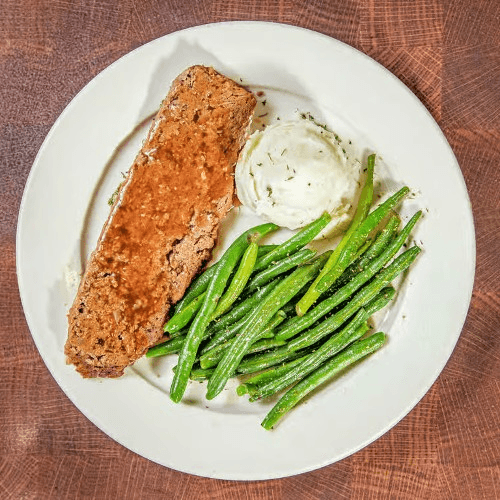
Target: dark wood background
<point>447,52</point>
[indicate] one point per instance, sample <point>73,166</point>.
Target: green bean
<point>297,324</point>
<point>282,294</point>
<point>211,359</point>
<point>170,346</point>
<point>200,284</point>
<point>201,374</point>
<point>381,242</point>
<point>288,309</point>
<point>205,373</point>
<point>197,287</point>
<point>219,336</point>
<point>366,196</point>
<point>222,336</point>
<point>364,247</point>
<point>213,356</point>
<point>364,204</point>
<point>239,280</point>
<point>250,385</point>
<point>293,396</point>
<point>268,330</point>
<point>362,297</point>
<point>382,239</point>
<point>252,364</point>
<point>180,319</point>
<point>245,388</point>
<point>174,345</point>
<point>296,242</point>
<point>357,239</point>
<point>264,344</point>
<point>328,280</point>
<point>199,324</point>
<point>263,249</point>
<point>179,333</point>
<point>282,266</point>
<point>238,311</point>
<point>354,330</point>
<point>198,374</point>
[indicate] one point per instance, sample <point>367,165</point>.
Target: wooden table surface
<point>447,53</point>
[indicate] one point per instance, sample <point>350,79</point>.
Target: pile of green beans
<point>217,285</point>
<point>284,318</point>
<point>214,291</point>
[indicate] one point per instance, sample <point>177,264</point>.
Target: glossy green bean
<point>252,364</point>
<point>263,249</point>
<point>198,374</point>
<point>382,241</point>
<point>281,295</point>
<point>296,242</point>
<point>364,247</point>
<point>242,308</point>
<point>179,333</point>
<point>239,280</point>
<point>211,359</point>
<point>250,385</point>
<point>170,346</point>
<point>180,319</point>
<point>221,335</point>
<point>197,287</point>
<point>280,267</point>
<point>216,335</point>
<point>357,238</point>
<point>201,374</point>
<point>332,367</point>
<point>200,284</point>
<point>199,324</point>
<point>269,328</point>
<point>213,356</point>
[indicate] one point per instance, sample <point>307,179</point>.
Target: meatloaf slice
<point>163,224</point>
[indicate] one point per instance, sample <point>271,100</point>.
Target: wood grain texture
<point>447,53</point>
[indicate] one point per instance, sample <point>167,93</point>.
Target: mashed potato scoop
<point>291,172</point>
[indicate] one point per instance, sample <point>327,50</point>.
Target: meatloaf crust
<point>163,224</point>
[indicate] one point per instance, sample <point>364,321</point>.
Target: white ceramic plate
<point>96,138</point>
